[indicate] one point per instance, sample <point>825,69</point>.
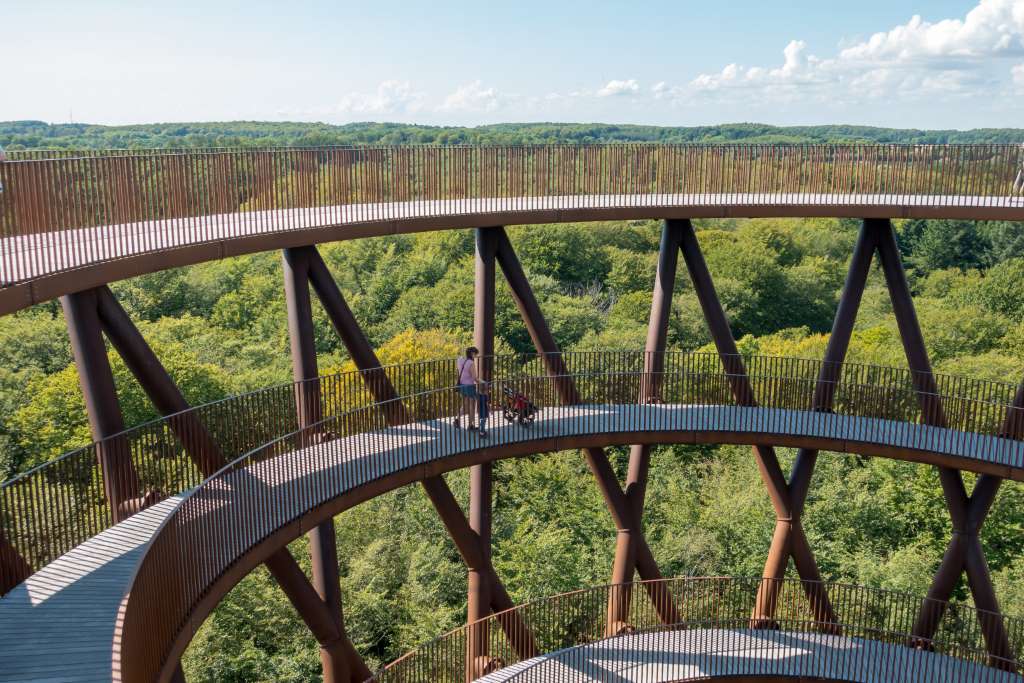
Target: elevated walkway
<point>42,266</point>
<point>63,623</point>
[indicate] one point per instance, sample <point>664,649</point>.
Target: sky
<point>900,63</point>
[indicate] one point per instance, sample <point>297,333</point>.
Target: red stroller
<point>517,407</point>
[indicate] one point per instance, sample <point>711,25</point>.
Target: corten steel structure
<point>194,501</point>
<point>71,221</point>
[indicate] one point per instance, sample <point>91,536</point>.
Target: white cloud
<point>992,28</point>
<point>1017,73</point>
<point>472,97</point>
<point>390,98</point>
<point>949,56</point>
<point>614,87</point>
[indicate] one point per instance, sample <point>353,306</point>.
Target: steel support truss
<point>304,266</point>
<point>90,315</point>
<point>964,552</point>
<point>625,512</point>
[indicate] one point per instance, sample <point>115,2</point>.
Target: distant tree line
<point>38,134</point>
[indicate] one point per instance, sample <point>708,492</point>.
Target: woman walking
<point>466,387</point>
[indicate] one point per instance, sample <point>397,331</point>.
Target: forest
<point>16,135</point>
<point>220,329</point>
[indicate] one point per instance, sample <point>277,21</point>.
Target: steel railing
<point>64,210</point>
<point>870,640</point>
<point>278,484</point>
<point>49,510</point>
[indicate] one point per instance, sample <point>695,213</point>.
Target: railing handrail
<point>62,212</point>
<point>833,588</point>
<point>526,357</point>
<point>288,504</point>
<point>44,519</point>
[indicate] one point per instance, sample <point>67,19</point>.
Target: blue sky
<point>908,63</point>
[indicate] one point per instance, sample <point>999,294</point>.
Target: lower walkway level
<point>61,625</point>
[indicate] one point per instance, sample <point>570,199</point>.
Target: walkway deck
<point>60,623</point>
<point>58,626</point>
<point>124,250</point>
<point>670,656</point>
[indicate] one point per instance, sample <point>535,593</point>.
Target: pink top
<point>466,371</point>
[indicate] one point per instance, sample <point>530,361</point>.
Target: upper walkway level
<point>70,221</point>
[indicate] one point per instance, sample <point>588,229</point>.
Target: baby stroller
<point>517,407</point>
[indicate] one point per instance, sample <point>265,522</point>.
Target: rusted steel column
<point>478,661</point>
<point>120,481</point>
<point>341,662</point>
<point>733,364</point>
<point>532,316</point>
<point>906,321</point>
<point>483,297</point>
<point>783,547</point>
<point>624,567</point>
<point>964,552</point>
<point>437,490</point>
<point>471,549</point>
<point>596,459</point>
<point>787,523</point>
<point>158,385</point>
<point>300,336</point>
<point>993,627</point>
<point>303,596</point>
<point>178,676</point>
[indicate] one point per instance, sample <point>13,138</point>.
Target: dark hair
<point>472,351</point>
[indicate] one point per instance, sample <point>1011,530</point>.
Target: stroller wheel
<point>509,415</point>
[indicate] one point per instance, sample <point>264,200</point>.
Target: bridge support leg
<point>91,314</point>
<point>336,652</point>
<point>964,553</point>
<point>789,538</point>
<point>341,663</point>
<point>597,461</point>
<point>157,383</point>
<point>624,567</point>
<point>362,354</point>
<point>478,660</point>
<point>120,481</point>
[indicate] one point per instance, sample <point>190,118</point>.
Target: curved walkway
<point>60,624</point>
<point>39,267</point>
<point>698,654</point>
<point>85,588</point>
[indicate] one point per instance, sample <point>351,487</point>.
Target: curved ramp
<point>86,587</point>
